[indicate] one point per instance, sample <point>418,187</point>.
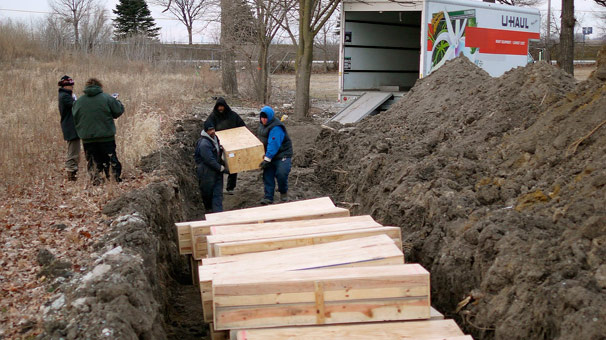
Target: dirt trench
<point>479,173</point>
<point>138,286</point>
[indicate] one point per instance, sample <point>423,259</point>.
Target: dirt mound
<point>600,72</point>
<point>492,195</point>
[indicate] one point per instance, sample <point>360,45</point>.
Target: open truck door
<point>386,46</point>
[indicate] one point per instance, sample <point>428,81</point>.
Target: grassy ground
<point>35,198</point>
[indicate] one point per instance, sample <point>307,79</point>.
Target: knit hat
<point>208,125</point>
<point>66,81</point>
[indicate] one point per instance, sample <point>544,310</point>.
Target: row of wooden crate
<point>307,270</point>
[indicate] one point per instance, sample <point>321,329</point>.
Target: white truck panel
<point>493,36</point>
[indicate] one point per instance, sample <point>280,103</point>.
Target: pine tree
<point>134,18</point>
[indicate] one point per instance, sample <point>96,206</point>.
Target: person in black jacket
<point>223,118</point>
<point>209,168</point>
<point>66,101</point>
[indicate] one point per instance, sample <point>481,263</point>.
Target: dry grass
<point>31,144</point>
<point>16,42</point>
<point>34,195</point>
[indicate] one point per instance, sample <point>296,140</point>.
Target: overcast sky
<point>173,30</point>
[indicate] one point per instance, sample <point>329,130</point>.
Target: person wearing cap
<point>278,154</point>
<point>66,101</point>
<point>223,118</point>
<point>210,168</point>
<point>94,115</point>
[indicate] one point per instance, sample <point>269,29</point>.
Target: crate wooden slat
<point>368,251</point>
<point>410,330</point>
<point>261,227</point>
<point>317,208</point>
<point>272,212</point>
<point>242,149</point>
<point>192,235</point>
<point>435,314</point>
<point>252,246</point>
<point>184,238</point>
<point>199,234</point>
<point>213,241</point>
<point>322,296</point>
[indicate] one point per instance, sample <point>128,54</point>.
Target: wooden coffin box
<point>322,296</point>
<point>299,237</point>
<point>190,233</point>
<point>369,251</point>
<point>243,150</point>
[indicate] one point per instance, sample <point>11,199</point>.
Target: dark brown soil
<point>483,175</point>
<point>492,198</point>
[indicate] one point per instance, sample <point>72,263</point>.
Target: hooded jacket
<point>274,136</point>
<point>208,160</point>
<point>66,101</point>
<point>94,115</point>
<point>226,120</point>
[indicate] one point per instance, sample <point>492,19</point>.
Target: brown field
<point>35,198</point>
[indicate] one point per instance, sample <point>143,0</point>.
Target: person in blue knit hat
<point>278,155</point>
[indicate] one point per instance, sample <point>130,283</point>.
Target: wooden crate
<point>243,150</point>
<point>213,241</point>
<point>303,239</point>
<point>184,238</point>
<point>413,330</point>
<point>317,208</point>
<point>368,251</point>
<point>322,296</point>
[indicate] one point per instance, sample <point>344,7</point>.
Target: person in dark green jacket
<point>94,115</point>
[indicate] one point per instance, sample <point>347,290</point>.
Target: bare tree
<point>96,28</point>
<point>268,16</point>
<point>72,11</point>
<point>228,63</point>
<point>325,41</point>
<point>521,3</point>
<point>56,34</point>
<point>311,16</point>
<point>186,11</point>
<point>566,57</point>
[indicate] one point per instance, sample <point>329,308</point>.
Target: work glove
<point>264,165</point>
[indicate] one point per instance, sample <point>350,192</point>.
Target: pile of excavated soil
<point>492,193</point>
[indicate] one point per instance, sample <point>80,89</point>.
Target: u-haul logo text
<point>513,21</point>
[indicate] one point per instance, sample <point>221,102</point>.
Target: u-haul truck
<point>387,45</point>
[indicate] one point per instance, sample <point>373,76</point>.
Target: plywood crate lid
<point>237,139</point>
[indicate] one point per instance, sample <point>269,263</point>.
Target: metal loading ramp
<point>361,107</point>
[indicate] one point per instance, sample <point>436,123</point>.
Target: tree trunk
<point>76,31</point>
<point>228,64</point>
<point>325,53</point>
<point>263,74</point>
<point>304,59</point>
<point>189,34</point>
<point>303,79</point>
<point>566,58</point>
